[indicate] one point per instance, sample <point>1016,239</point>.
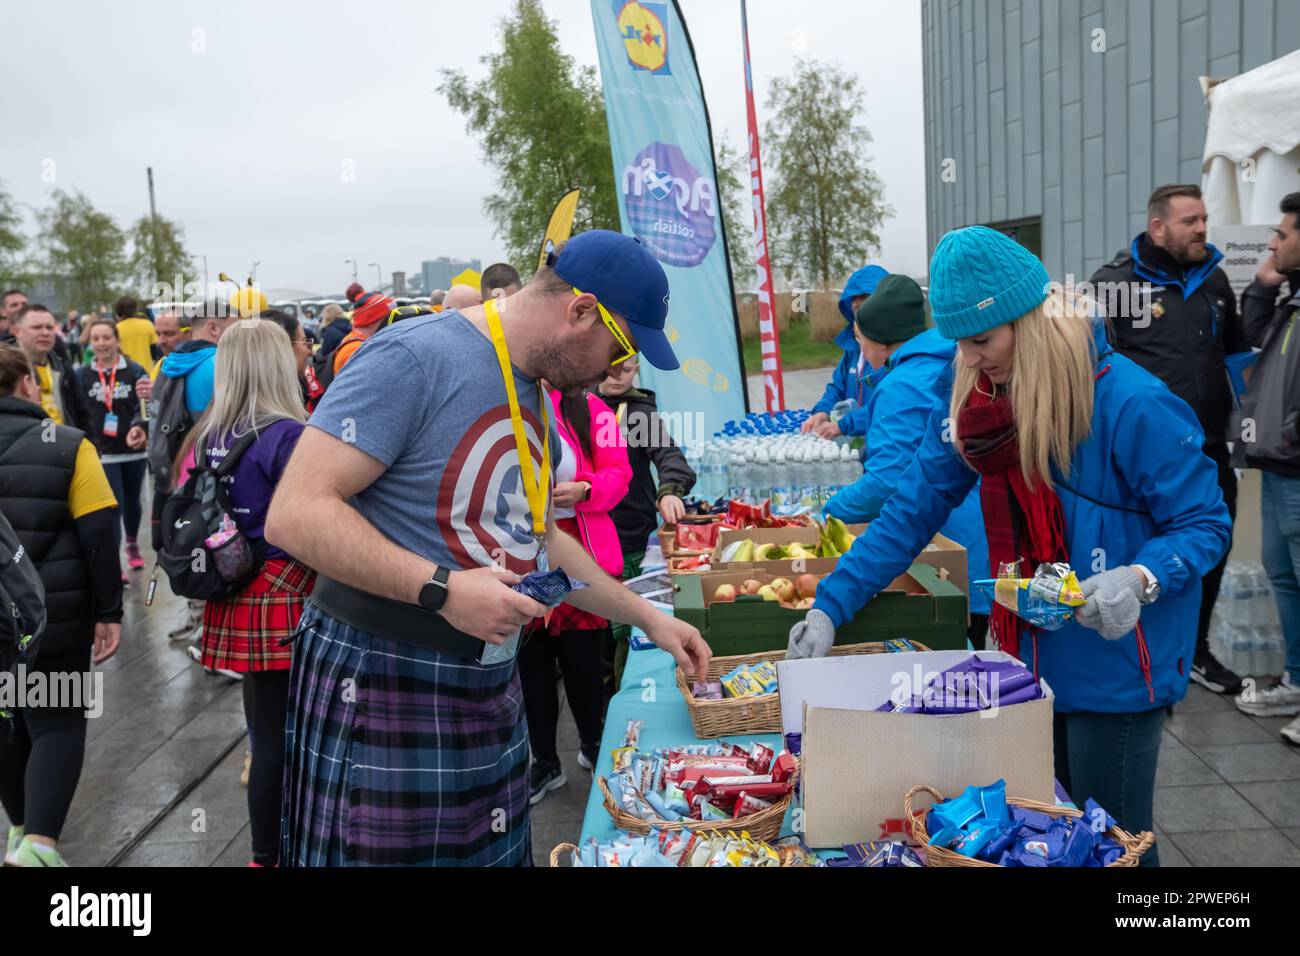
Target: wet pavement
<point>161,780</point>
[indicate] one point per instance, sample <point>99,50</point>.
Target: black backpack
<point>197,513</point>
<point>169,422</point>
<point>22,601</point>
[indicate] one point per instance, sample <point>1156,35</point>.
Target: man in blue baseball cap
<point>419,506</point>
<point>617,278</point>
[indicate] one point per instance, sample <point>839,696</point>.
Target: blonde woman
<point>334,325</point>
<point>256,389</point>
<point>1084,457</point>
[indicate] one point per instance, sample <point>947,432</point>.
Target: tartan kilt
<point>399,756</point>
<point>245,633</point>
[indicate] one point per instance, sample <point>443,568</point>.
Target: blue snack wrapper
<point>549,588</point>
<point>1095,818</point>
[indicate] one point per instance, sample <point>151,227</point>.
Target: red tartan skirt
<point>244,633</point>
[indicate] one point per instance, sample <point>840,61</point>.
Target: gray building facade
<point>1054,120</point>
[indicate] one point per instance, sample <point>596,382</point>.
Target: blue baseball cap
<point>628,281</point>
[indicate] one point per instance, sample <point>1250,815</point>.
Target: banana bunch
<point>836,538</point>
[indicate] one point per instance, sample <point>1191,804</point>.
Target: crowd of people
<point>458,449</point>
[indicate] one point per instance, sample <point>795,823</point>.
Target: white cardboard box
<point>858,763</point>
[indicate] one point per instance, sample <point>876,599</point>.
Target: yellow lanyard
<point>535,490</point>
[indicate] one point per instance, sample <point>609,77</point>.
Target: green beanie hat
<point>895,312</point>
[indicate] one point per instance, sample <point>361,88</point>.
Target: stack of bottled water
<point>1245,634</point>
<point>797,473</point>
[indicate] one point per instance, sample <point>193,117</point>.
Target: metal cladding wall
<point>1033,113</point>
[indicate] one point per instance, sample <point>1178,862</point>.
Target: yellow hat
<point>247,301</point>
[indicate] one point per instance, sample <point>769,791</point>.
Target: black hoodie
<point>648,442</point>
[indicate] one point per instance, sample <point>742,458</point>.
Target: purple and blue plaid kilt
<point>399,756</point>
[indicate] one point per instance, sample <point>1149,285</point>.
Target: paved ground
<point>161,780</point>
<point>802,389</point>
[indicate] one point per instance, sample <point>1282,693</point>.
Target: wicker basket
<point>750,715</point>
<point>1134,846</point>
<point>558,853</point>
<point>764,825</point>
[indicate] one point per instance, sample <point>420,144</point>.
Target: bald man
<point>461,297</point>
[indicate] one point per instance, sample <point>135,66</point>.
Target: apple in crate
<point>806,585</point>
<point>725,592</point>
<point>750,587</point>
<point>768,593</point>
<point>785,588</point>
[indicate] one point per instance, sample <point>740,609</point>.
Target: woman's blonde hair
<point>1051,385</point>
<point>254,381</point>
<point>333,312</point>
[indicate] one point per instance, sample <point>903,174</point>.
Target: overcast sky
<point>247,112</point>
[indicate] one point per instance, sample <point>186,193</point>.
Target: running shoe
<point>31,853</point>
<point>11,848</point>
<point>542,779</point>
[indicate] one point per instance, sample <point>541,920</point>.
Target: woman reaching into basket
<point>1083,457</point>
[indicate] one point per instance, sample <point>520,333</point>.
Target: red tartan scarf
<point>1023,525</point>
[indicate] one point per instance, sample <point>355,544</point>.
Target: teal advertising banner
<point>668,198</point>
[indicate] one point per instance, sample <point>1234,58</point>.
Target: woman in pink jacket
<point>591,477</point>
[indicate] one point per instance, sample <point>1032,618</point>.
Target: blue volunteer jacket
<point>1140,491</point>
<point>899,400</point>
<point>844,382</point>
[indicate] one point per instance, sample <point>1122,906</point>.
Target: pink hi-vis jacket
<point>609,475</point>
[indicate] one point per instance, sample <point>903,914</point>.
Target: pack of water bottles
<point>1245,634</point>
<point>760,424</point>
<point>797,473</point>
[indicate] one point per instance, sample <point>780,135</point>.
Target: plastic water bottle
<point>806,479</point>
<point>850,470</point>
<point>781,495</point>
<point>827,478</point>
<point>735,473</point>
<point>693,458</point>
<point>762,477</point>
<point>721,476</point>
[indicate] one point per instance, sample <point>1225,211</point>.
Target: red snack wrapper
<point>729,781</point>
<point>697,537</point>
<point>784,766</point>
<point>746,804</point>
<point>764,791</point>
<point>761,757</point>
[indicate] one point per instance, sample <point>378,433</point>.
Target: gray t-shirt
<point>426,398</point>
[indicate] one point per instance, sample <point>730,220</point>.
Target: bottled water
<point>1245,633</point>
<point>735,473</point>
<point>850,469</point>
<point>781,495</point>
<point>828,479</point>
<point>762,476</point>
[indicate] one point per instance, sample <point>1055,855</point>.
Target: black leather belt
<point>394,620</point>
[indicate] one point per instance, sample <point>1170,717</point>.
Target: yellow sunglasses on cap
<point>629,350</point>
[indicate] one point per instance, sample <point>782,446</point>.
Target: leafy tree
<point>13,270</point>
<point>85,250</point>
<point>541,120</point>
<point>158,253</point>
<point>737,211</point>
<point>825,203</point>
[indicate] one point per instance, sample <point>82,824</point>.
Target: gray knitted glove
<point>811,637</point>
<point>1114,602</point>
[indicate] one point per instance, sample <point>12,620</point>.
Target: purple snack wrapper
<point>548,587</point>
<point>793,743</point>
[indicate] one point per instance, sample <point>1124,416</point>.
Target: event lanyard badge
<point>110,420</point>
<point>536,488</point>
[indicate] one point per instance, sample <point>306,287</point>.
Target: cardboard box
<point>942,553</point>
<point>858,764</point>
<point>918,605</point>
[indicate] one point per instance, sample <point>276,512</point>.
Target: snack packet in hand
<point>1047,600</point>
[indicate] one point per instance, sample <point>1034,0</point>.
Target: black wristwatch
<point>434,593</point>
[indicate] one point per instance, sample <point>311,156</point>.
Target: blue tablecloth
<point>648,693</point>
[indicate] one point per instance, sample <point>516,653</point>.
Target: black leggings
<point>579,655</point>
<point>41,765</point>
<point>266,702</point>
